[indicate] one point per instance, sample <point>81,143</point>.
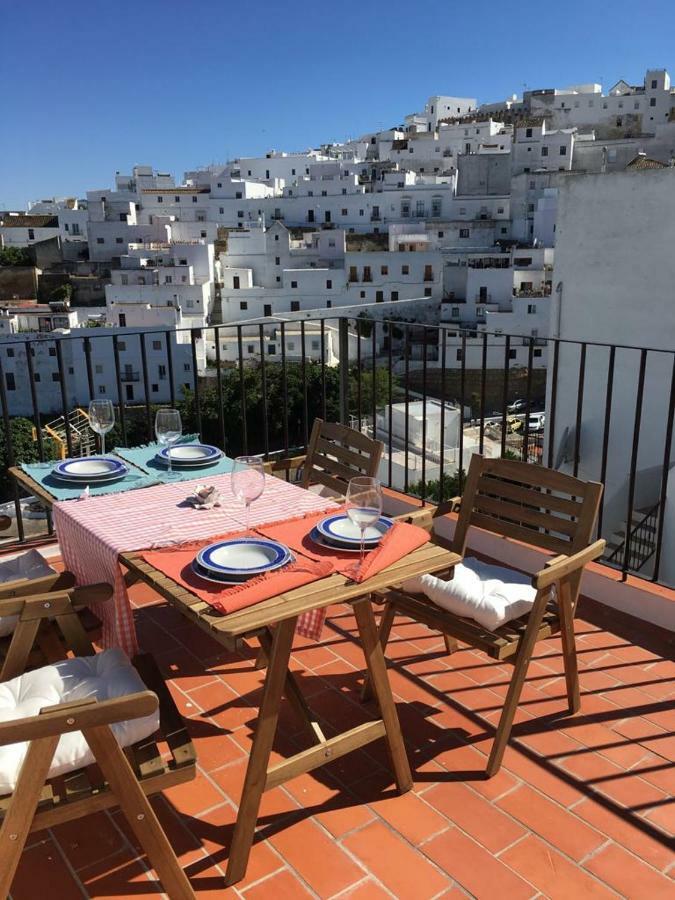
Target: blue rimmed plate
<point>226,581</point>
<point>340,529</point>
<point>321,541</point>
<point>190,455</point>
<point>90,469</point>
<point>243,556</point>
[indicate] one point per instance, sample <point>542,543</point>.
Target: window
<point>329,284</point>
<point>512,354</point>
<point>121,345</point>
<point>52,351</point>
<point>360,212</point>
<point>367,276</point>
<point>394,295</point>
<point>537,352</point>
<point>237,196</point>
<point>10,352</point>
<point>276,237</point>
<point>459,355</point>
<point>294,284</point>
<point>379,296</point>
<point>454,312</point>
<point>123,320</point>
<point>240,213</point>
<point>316,344</point>
<point>202,234</point>
<point>160,199</point>
<point>177,198</point>
<point>353,276</point>
<point>100,241</point>
<point>654,84</point>
<point>125,279</point>
<point>154,388</point>
<point>156,345</point>
<point>544,151</point>
<point>36,377</point>
<point>329,304</point>
<point>10,381</point>
<point>290,345</point>
<point>436,205</point>
<point>101,389</point>
<point>652,101</point>
<point>161,369</point>
<point>168,279</point>
<point>419,208</point>
<point>441,234</point>
<point>464,233</point>
<point>531,308</point>
<point>271,349</point>
<point>221,210</point>
<point>194,199</point>
<point>362,295</point>
<point>344,212</point>
<point>186,367</point>
<point>267,309</point>
<point>384,270</point>
<point>427,292</point>
<point>528,132</point>
<point>250,348</point>
<point>235,282</point>
<point>405,270</point>
<point>563,150</point>
<point>99,369</point>
<point>243,304</point>
<point>295,306</point>
<point>56,376</point>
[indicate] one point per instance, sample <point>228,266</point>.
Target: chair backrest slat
<point>529,503</point>
<point>336,453</point>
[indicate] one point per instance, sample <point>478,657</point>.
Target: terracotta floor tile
<point>41,871</point>
<point>317,858</point>
<point>476,816</point>
<point>404,872</point>
<point>599,774</point>
<point>663,815</point>
<point>628,875</point>
<point>118,876</point>
<point>551,872</point>
<point>194,796</point>
<point>89,839</point>
<point>629,831</point>
<point>282,886</point>
<point>623,753</point>
<point>367,890</point>
<point>476,870</point>
<point>214,747</point>
<point>412,817</point>
<point>551,822</point>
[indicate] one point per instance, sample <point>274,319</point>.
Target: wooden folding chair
<point>544,509</point>
<point>120,777</point>
<point>335,454</point>
<point>48,644</point>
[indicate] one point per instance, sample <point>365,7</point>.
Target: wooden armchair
<point>544,509</point>
<point>120,777</point>
<point>335,454</point>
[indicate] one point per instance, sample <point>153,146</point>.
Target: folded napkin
<point>490,595</point>
<point>400,540</point>
<point>176,562</point>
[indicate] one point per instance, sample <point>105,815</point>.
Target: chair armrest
<point>66,717</point>
<point>422,516</point>
<point>285,464</point>
<point>561,566</point>
<point>54,603</point>
<point>21,587</point>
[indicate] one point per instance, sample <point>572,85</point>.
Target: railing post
<point>343,368</point>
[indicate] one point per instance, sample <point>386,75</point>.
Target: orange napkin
<point>400,540</point>
<point>176,562</point>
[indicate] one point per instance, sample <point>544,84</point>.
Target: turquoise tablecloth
<point>42,473</point>
<point>144,459</point>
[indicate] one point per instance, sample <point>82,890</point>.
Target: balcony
<point>129,375</point>
<point>582,803</point>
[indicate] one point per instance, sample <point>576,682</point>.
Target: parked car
<point>517,406</point>
<point>536,422</point>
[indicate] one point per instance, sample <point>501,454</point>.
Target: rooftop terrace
<point>581,808</point>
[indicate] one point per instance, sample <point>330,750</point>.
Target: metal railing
<point>610,409</point>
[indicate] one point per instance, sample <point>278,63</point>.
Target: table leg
<point>379,682</point>
<point>256,773</point>
<point>292,690</point>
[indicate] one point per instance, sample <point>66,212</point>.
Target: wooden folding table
<point>273,623</point>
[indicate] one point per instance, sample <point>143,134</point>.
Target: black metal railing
<point>431,393</point>
<point>640,544</point>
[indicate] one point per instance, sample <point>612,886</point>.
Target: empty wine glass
<point>364,504</point>
<point>248,481</point>
<point>101,419</point>
<point>168,428</point>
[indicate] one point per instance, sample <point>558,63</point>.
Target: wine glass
<point>364,504</point>
<point>248,481</point>
<point>101,419</point>
<point>168,428</point>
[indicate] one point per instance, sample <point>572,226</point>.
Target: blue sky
<point>98,86</point>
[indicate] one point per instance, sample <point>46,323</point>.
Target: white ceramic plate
<point>190,455</point>
<point>243,556</point>
<point>341,528</point>
<point>319,539</point>
<point>90,468</point>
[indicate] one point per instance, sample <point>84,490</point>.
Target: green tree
<point>451,487</point>
<point>25,450</point>
<point>15,256</point>
<point>62,292</point>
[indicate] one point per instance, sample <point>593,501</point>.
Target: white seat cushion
<point>490,595</point>
<point>104,676</point>
<point>30,565</point>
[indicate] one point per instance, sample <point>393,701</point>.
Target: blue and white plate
<point>340,529</point>
<point>90,469</point>
<point>226,581</point>
<point>321,541</point>
<point>243,556</point>
<point>190,455</point>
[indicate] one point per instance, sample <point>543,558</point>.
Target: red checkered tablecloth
<point>93,532</point>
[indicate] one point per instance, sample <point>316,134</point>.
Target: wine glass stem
<point>103,443</point>
<point>248,515</point>
<point>168,454</point>
<point>363,536</point>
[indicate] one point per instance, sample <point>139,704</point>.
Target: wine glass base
<point>171,476</point>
